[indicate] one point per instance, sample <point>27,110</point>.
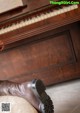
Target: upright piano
<point>40,40</point>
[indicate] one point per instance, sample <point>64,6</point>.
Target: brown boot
<point>33,91</point>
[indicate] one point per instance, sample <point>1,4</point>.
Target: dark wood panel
<point>52,58</point>
<point>67,71</point>
<point>53,51</point>
<point>52,75</point>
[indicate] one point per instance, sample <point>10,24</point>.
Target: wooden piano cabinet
<point>53,57</point>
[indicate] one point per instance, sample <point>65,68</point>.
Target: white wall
<point>6,5</point>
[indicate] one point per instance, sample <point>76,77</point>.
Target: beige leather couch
<point>15,104</point>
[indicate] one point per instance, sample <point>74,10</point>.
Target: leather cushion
<point>17,105</point>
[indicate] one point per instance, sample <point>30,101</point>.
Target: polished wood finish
<point>40,27</point>
<point>52,56</point>
<point>48,50</point>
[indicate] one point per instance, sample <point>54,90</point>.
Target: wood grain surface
<point>52,57</point>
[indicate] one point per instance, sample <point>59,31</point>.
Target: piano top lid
<point>32,5</point>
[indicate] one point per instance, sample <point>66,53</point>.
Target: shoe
<point>33,91</point>
<point>46,104</point>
